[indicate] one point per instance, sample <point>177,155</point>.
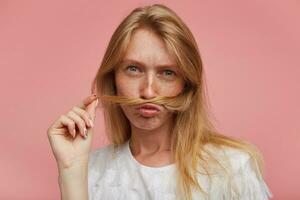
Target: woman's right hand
<point>67,134</point>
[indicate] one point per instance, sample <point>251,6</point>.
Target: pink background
<point>50,51</point>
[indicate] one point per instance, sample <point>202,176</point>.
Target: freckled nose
<point>148,89</point>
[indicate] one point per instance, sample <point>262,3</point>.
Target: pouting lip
<point>150,106</point>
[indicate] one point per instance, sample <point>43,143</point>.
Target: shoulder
<point>228,156</point>
<point>104,157</point>
<point>237,158</point>
<point>99,157</point>
<point>243,178</point>
<point>103,166</point>
<point>100,152</point>
<point>234,161</point>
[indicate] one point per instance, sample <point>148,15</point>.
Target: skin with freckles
<point>148,71</point>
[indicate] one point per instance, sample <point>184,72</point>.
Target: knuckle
<point>86,116</point>
<point>72,124</point>
<point>81,111</point>
<point>82,124</point>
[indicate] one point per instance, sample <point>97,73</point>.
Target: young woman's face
<point>147,71</point>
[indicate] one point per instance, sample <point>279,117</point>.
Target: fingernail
<point>85,135</point>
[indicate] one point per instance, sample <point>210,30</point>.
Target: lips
<point>150,106</point>
<point>149,110</point>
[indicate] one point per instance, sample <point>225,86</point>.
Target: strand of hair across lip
<point>177,103</point>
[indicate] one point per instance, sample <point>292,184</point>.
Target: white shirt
<point>123,178</point>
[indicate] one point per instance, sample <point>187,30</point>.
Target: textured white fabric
<point>123,178</point>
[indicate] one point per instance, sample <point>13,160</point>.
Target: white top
<point>124,178</point>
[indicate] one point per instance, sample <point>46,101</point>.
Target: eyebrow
<point>126,60</point>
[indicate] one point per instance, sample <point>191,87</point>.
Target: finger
<point>68,123</point>
<point>78,121</point>
<point>84,115</point>
<point>87,101</point>
<point>91,109</point>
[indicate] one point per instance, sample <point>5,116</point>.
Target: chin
<point>147,123</point>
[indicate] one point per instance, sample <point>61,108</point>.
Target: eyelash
<point>130,67</point>
<point>167,70</point>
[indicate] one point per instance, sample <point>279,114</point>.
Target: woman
<point>162,143</point>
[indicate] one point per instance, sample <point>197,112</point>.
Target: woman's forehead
<point>148,48</point>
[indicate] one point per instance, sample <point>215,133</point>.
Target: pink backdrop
<point>50,51</point>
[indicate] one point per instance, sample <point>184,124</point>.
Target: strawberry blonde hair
<point>193,128</point>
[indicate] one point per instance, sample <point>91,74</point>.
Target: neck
<point>144,142</point>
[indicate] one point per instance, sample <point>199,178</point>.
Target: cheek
<point>125,86</point>
<point>172,89</point>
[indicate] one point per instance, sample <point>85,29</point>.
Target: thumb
<point>91,108</point>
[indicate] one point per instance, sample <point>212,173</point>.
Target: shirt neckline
<point>140,165</point>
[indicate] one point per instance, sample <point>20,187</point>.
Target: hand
<point>67,133</point>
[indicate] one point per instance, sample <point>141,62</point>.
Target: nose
<point>148,88</point>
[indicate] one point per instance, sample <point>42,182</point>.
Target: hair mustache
<point>176,103</point>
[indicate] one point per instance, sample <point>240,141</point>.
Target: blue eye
<point>132,68</point>
<point>169,72</point>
